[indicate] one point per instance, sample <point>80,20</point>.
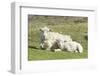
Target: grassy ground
<point>74,26</point>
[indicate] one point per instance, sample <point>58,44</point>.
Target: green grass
<point>45,55</point>
<point>76,27</point>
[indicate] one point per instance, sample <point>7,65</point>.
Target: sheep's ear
<point>50,30</point>
<point>40,29</point>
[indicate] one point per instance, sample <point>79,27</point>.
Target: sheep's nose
<point>43,37</point>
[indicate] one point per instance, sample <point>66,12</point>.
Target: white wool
<point>47,44</point>
<point>57,50</point>
<point>49,38</point>
<point>70,46</point>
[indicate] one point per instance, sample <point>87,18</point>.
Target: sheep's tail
<point>80,48</point>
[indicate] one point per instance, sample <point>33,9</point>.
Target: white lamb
<point>71,46</point>
<point>48,38</point>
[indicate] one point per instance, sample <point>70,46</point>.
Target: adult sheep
<point>46,36</point>
<point>50,45</point>
<point>71,46</point>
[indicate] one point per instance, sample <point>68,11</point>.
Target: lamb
<point>71,46</point>
<point>48,38</point>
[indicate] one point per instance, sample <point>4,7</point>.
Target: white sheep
<point>48,38</point>
<point>47,34</point>
<point>50,45</point>
<point>46,44</point>
<point>71,46</point>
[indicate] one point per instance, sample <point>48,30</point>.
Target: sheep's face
<point>44,32</point>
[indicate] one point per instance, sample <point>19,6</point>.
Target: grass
<point>76,27</point>
<point>45,55</point>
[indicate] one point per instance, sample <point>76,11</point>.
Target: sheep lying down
<point>48,38</point>
<point>58,42</point>
<point>61,45</point>
<point>46,34</point>
<point>71,46</point>
<point>50,46</point>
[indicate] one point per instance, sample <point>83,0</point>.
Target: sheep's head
<point>44,32</point>
<point>44,29</point>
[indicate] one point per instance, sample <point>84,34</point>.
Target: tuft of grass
<point>76,27</point>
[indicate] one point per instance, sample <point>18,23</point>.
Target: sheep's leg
<point>48,49</point>
<point>49,46</point>
<point>76,51</point>
<point>41,45</point>
<point>57,50</point>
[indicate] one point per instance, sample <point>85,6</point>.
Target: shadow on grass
<point>33,47</point>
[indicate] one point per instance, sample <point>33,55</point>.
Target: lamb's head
<point>60,43</point>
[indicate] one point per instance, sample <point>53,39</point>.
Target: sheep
<point>71,46</point>
<point>50,45</point>
<point>48,38</point>
<point>46,44</point>
<point>47,34</point>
